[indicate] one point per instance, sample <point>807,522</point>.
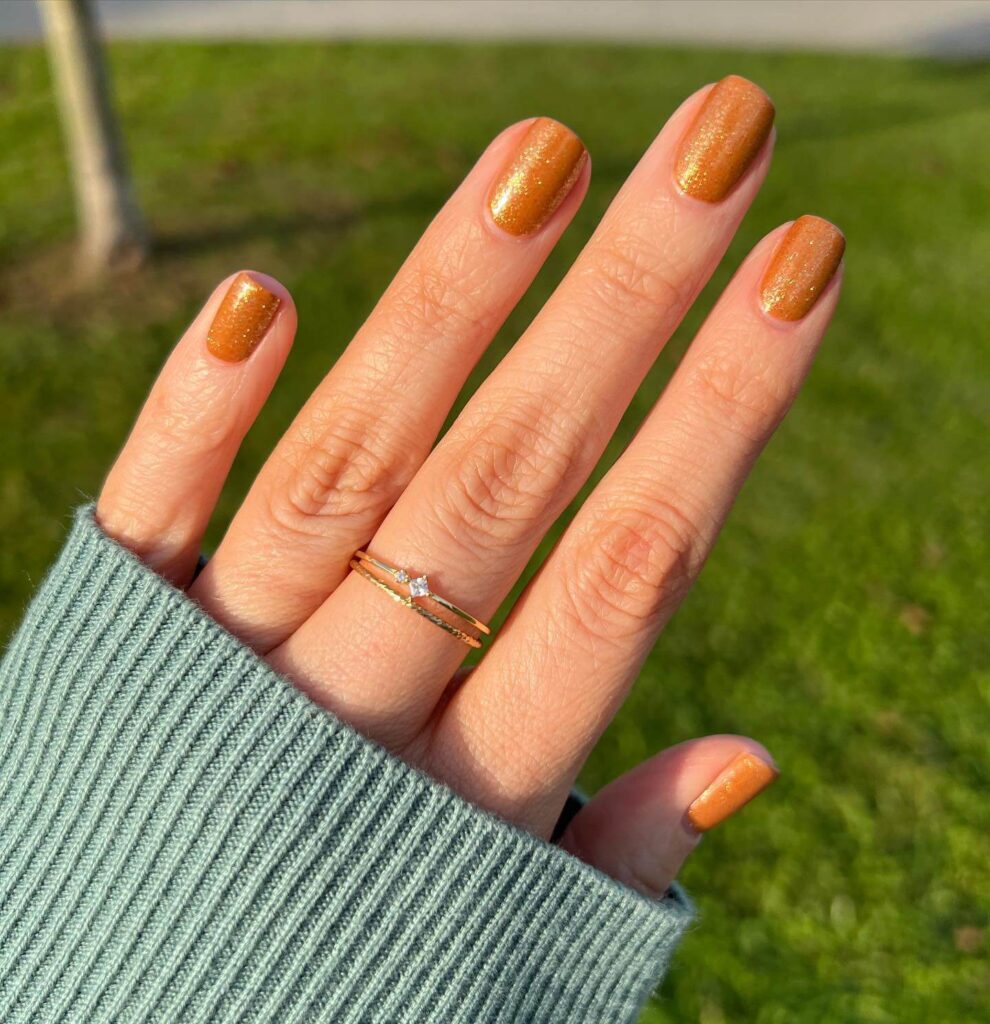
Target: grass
<point>844,618</point>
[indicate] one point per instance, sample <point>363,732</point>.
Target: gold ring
<point>420,587</point>
<point>466,638</point>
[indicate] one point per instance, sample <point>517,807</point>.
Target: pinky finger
<point>641,828</point>
<point>163,487</point>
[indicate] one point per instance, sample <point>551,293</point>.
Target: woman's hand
<point>355,470</point>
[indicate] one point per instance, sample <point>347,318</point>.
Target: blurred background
<point>844,619</point>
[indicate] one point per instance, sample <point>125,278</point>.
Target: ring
<point>420,587</point>
<point>466,638</point>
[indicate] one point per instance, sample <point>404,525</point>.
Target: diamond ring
<point>419,586</point>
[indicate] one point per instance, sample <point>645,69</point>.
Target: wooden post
<point>112,230</point>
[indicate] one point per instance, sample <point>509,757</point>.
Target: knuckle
<point>463,752</point>
<point>195,421</point>
<point>165,537</point>
<point>628,276</point>
<point>136,526</point>
<point>508,475</point>
<point>442,291</point>
<point>348,468</point>
<point>630,569</point>
<point>745,395</point>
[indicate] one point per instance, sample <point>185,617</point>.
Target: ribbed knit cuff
<point>184,836</point>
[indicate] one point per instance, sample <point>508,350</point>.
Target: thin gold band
<point>465,638</point>
<point>402,576</point>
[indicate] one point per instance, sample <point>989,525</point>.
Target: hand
<point>355,470</point>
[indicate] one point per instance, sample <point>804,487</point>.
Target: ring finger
<point>369,425</point>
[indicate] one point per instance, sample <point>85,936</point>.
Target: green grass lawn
<point>844,618</point>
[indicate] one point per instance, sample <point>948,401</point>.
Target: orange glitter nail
<point>745,777</point>
<point>802,265</point>
<point>537,178</point>
<point>724,139</point>
<point>243,319</point>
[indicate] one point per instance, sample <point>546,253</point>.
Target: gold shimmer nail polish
<point>727,133</point>
<point>742,779</point>
<point>802,265</point>
<point>537,178</point>
<point>244,316</point>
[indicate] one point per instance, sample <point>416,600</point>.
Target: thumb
<point>641,828</point>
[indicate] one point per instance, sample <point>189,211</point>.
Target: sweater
<point>186,837</point>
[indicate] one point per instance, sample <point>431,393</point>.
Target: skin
<point>358,469</point>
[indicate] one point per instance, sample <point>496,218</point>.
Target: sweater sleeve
<point>184,836</point>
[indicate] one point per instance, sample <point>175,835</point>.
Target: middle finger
<point>475,513</point>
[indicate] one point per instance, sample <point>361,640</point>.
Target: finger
<point>531,435</point>
<point>628,558</point>
<point>369,425</point>
<point>641,828</point>
<point>161,491</point>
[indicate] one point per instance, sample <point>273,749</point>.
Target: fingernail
<point>802,265</point>
<point>745,777</point>
<point>244,316</point>
<point>537,178</point>
<point>728,132</point>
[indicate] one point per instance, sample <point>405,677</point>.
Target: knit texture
<point>184,836</point>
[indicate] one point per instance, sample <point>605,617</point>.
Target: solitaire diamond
<point>419,587</point>
<point>402,576</point>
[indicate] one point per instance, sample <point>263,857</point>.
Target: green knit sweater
<point>184,837</point>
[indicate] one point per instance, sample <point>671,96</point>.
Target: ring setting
<point>418,587</point>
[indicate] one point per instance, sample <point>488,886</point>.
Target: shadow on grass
<point>205,237</point>
<point>46,283</point>
<point>328,224</point>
